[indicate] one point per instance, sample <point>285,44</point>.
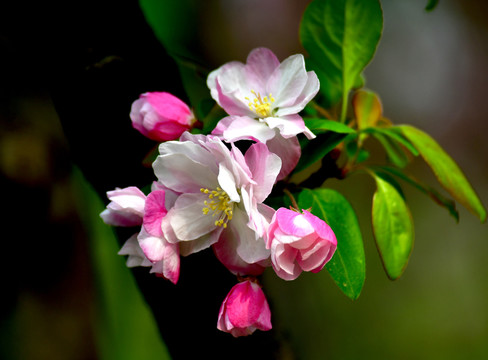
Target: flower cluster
<point>210,194</point>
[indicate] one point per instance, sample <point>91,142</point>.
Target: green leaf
<point>319,126</point>
<point>438,198</point>
<point>168,20</point>
<point>431,5</point>
<point>347,267</point>
<point>316,149</point>
<point>125,327</point>
<point>341,37</point>
<point>395,134</point>
<point>392,227</point>
<point>446,170</point>
<point>395,153</point>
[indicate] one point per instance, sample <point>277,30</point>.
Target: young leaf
<point>367,108</point>
<point>347,266</point>
<point>441,200</point>
<point>446,170</point>
<point>341,38</point>
<point>319,126</point>
<point>392,227</point>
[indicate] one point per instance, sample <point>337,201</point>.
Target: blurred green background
<point>59,264</point>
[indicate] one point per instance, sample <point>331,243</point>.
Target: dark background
<point>69,73</point>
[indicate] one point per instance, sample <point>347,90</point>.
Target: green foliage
<point>166,19</point>
<point>347,266</point>
<point>341,37</point>
<point>392,226</point>
<point>438,198</point>
<point>124,325</point>
<point>319,126</point>
<point>446,170</point>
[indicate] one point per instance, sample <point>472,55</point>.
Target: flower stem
<point>344,107</point>
<point>322,111</point>
<point>292,198</point>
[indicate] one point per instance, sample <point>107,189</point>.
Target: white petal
<point>187,218</point>
<point>250,248</point>
<point>244,127</point>
<point>181,174</point>
<point>228,183</point>
<point>308,93</point>
<point>288,81</point>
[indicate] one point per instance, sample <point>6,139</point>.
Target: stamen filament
<point>220,206</point>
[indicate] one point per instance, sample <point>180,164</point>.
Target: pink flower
<point>161,116</point>
<point>126,207</point>
<point>244,310</point>
<point>220,198</point>
<point>130,207</point>
<point>263,98</point>
<point>299,242</point>
<point>164,255</point>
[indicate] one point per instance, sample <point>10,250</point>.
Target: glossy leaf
<point>392,227</point>
<point>438,198</point>
<point>341,37</point>
<point>446,170</point>
<point>319,126</point>
<point>347,266</point>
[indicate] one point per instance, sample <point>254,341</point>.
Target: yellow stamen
<point>220,205</point>
<point>261,106</point>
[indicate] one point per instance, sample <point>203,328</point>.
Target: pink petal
<point>169,266</point>
<point>154,211</point>
<point>293,223</point>
<point>288,150</point>
<point>265,167</point>
<point>244,310</point>
<point>152,246</point>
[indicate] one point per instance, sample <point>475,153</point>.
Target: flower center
<point>261,106</point>
<point>218,204</point>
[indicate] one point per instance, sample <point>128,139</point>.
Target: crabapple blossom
<point>161,116</point>
<point>220,198</point>
<point>244,310</point>
<point>263,89</point>
<point>299,242</point>
<point>263,98</point>
<point>130,207</point>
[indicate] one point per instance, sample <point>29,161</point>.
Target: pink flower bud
<point>244,310</point>
<point>299,242</point>
<point>161,116</point>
